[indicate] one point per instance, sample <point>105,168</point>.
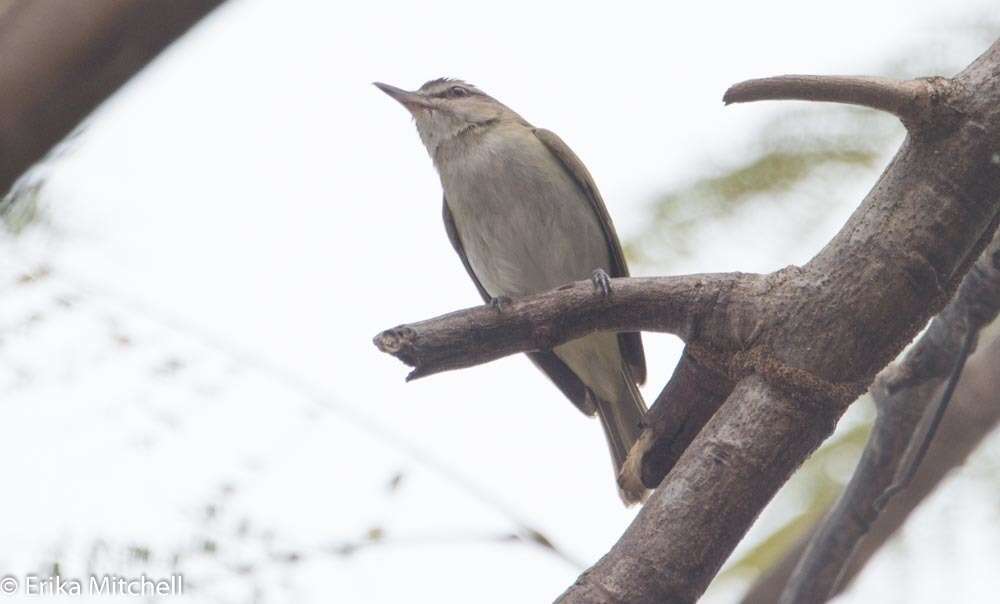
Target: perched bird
<point>525,217</point>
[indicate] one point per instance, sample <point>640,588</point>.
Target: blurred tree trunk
<point>61,59</point>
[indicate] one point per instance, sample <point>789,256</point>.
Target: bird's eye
<point>457,91</point>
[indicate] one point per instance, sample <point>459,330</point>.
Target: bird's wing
<point>449,227</point>
<point>557,371</point>
<point>631,343</point>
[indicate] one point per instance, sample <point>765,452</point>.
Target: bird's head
<point>445,110</point>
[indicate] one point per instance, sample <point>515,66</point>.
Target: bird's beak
<point>410,100</point>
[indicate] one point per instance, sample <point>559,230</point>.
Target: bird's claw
<point>499,302</point>
<point>601,281</point>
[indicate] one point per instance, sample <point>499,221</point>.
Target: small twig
<point>349,548</point>
<point>906,99</point>
<point>524,529</point>
<point>925,439</point>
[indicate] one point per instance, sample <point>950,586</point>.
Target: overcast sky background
<point>194,377</point>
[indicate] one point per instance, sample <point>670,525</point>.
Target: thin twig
<point>527,531</point>
<point>348,548</point>
<point>925,439</point>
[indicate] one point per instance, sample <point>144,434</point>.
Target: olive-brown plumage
<point>525,216</point>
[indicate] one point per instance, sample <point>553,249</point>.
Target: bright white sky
<point>254,187</point>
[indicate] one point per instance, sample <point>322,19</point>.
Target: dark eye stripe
<point>448,92</point>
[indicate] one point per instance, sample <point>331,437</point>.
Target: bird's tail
<point>622,423</point>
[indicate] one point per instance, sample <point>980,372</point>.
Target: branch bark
<point>799,345</point>
<point>62,59</point>
<point>915,102</point>
<point>677,305</point>
<point>692,396</point>
<point>974,414</point>
<point>842,317</point>
<point>903,394</point>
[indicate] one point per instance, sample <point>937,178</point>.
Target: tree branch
<point>671,550</point>
<point>693,394</point>
<point>62,59</point>
<point>476,335</point>
<point>912,101</point>
<point>800,344</point>
<point>903,394</point>
<point>841,317</point>
<point>974,414</point>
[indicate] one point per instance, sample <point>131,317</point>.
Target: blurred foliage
<point>19,209</point>
<point>680,212</point>
<point>795,163</point>
<point>784,162</point>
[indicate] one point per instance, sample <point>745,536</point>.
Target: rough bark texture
<point>673,554</point>
<point>691,397</point>
<point>903,394</point>
<point>799,344</point>
<point>973,415</point>
<point>61,59</point>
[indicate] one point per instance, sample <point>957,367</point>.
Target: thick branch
<point>910,100</point>
<point>974,414</point>
<point>799,343</point>
<point>840,318</point>
<point>480,334</point>
<point>903,394</point>
<point>672,550</point>
<point>693,394</point>
<point>61,59</point>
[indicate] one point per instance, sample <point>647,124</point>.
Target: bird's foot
<point>601,281</point>
<point>499,302</point>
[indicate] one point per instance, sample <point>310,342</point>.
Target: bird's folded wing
<point>557,371</point>
<point>631,343</point>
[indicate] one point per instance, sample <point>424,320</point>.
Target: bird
<point>525,217</point>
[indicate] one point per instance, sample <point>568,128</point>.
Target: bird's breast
<point>524,223</point>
